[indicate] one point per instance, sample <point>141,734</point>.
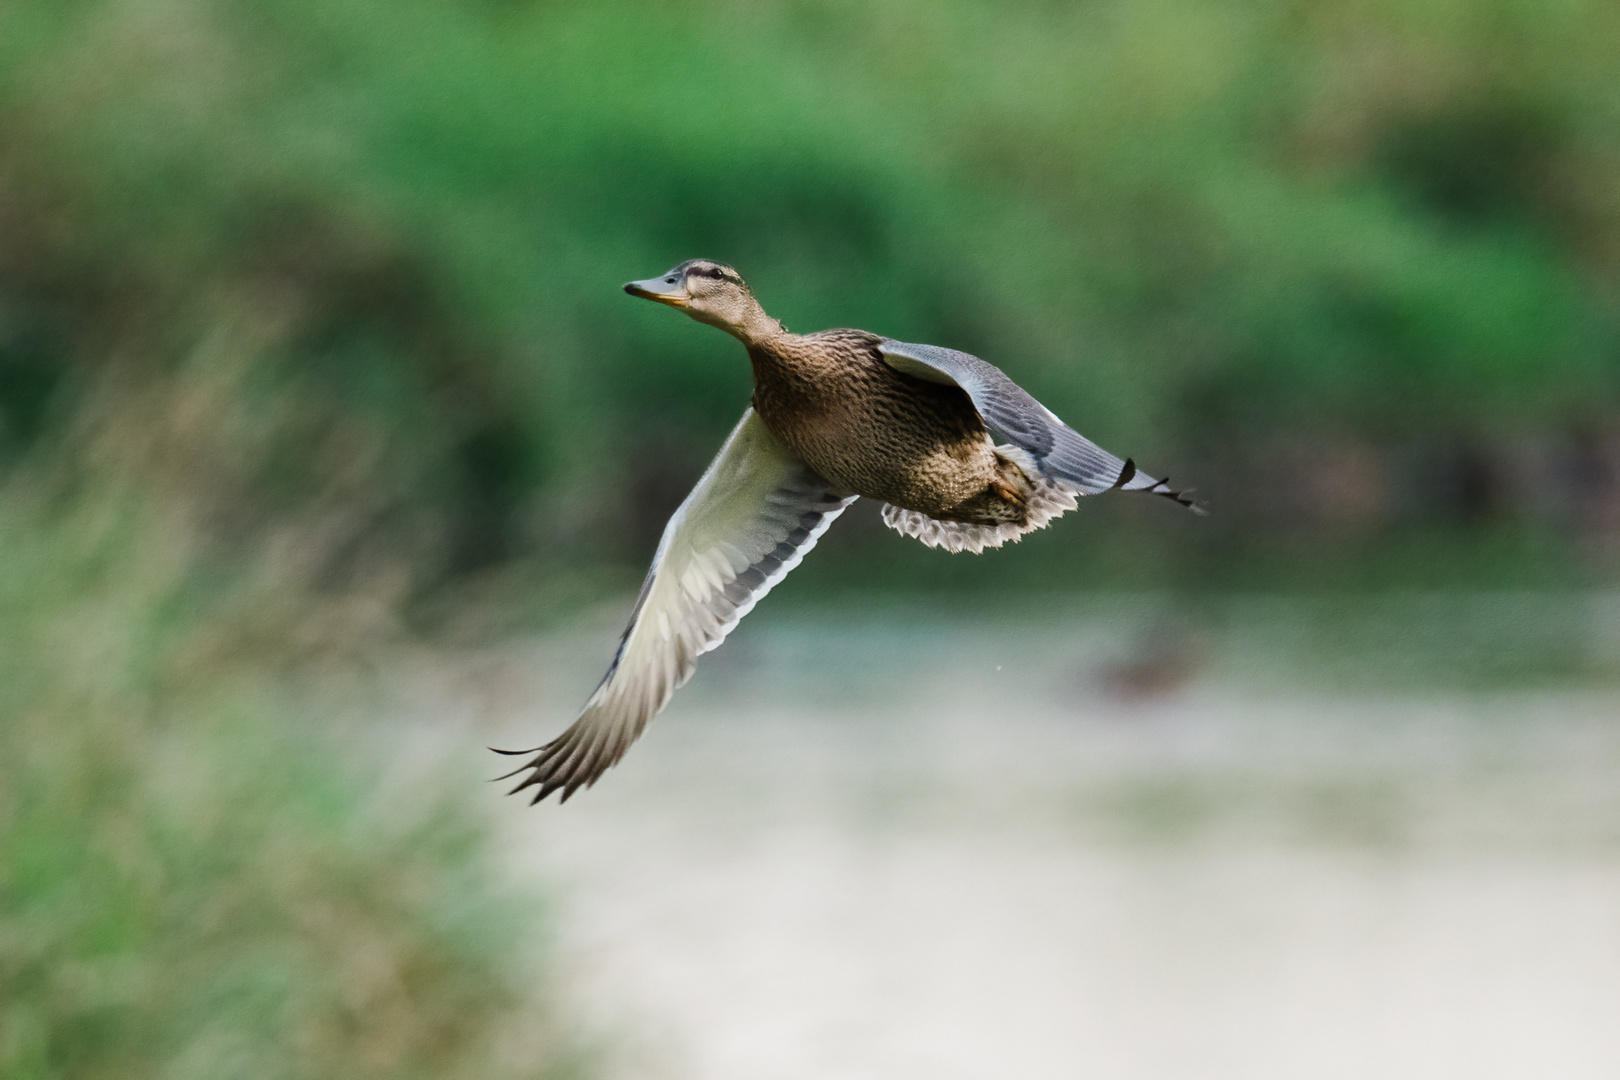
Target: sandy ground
<point>893,852</point>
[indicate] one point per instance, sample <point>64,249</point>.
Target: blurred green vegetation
<point>350,269</point>
<point>197,877</point>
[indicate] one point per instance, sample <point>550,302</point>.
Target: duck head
<point>711,293</point>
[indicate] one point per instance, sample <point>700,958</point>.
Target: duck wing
<point>754,514</point>
<point>1061,454</point>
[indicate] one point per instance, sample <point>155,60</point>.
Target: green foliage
<point>192,882</point>
<point>1186,226</point>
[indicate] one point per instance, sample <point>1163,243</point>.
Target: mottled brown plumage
<point>867,428</point>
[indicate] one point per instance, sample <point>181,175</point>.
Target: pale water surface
<point>899,847</point>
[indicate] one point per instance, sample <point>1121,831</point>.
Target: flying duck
<point>962,457</point>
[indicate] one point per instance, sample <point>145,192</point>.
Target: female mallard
<point>961,455</point>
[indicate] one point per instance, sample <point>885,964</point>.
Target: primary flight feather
<point>962,456</point>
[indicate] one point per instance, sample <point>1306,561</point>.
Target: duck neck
<point>755,327</point>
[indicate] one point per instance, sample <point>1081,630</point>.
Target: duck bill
<point>659,290</point>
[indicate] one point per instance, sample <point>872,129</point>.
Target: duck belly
<point>965,481</point>
<point>1037,500</point>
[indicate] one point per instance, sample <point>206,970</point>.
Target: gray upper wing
<point>1011,413</point>
<point>751,518</point>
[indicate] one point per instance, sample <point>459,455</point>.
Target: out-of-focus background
<point>330,452</point>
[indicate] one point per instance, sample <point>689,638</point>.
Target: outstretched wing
<point>751,518</point>
<point>1061,453</point>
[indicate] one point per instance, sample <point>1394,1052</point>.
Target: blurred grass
<point>198,875</point>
